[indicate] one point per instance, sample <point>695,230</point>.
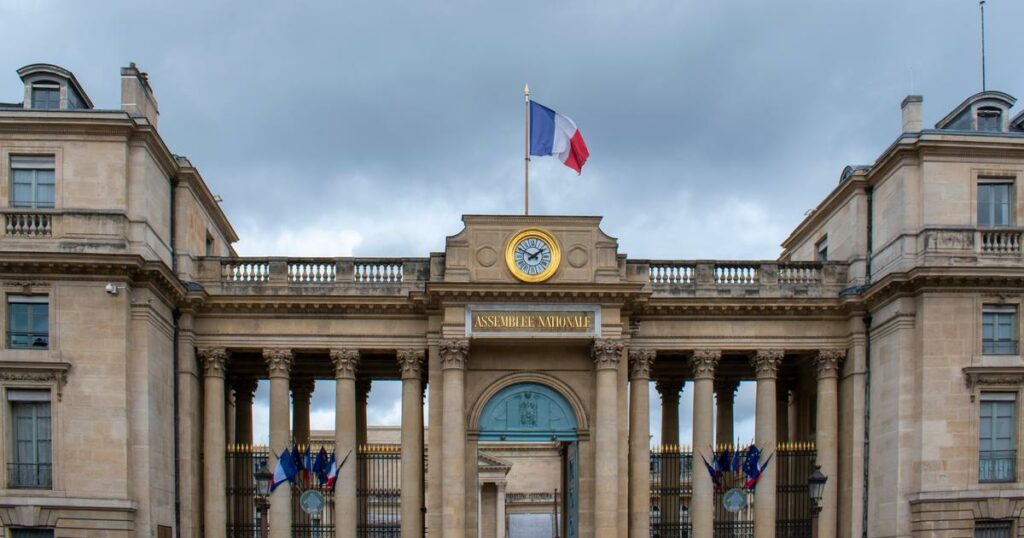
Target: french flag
<point>554,134</point>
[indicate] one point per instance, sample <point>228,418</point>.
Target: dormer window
<point>990,120</point>
<point>46,96</point>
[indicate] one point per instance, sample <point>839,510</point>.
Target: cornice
<point>955,279</point>
<point>307,305</point>
<point>447,292</point>
<point>709,306</point>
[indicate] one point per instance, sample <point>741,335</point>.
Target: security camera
<point>110,288</point>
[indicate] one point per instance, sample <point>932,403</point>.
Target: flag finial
<point>526,89</point>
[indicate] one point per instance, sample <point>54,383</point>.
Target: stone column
<point>411,363</point>
<point>214,443</point>
<point>245,391</point>
<point>607,354</point>
<point>640,361</point>
<point>766,364</point>
<point>670,503</point>
<point>669,390</point>
<point>346,506</point>
<point>782,412</point>
<point>702,505</point>
<point>499,510</point>
<point>828,362</point>
<point>363,386</point>
<point>229,413</point>
<point>302,391</point>
<point>725,397</point>
<point>279,367</point>
<point>454,352</point>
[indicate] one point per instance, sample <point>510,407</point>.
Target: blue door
<point>572,487</point>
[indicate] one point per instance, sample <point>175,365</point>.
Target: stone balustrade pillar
<point>245,391</point>
<point>454,353</point>
<point>215,521</point>
<point>828,362</point>
<point>302,392</point>
<point>346,505</point>
<point>279,367</point>
<point>410,361</point>
<point>640,361</point>
<point>766,364</point>
<point>607,353</point>
<point>725,399</point>
<point>702,505</point>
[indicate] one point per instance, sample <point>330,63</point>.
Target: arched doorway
<point>531,412</point>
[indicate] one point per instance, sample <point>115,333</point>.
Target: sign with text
<point>532,320</point>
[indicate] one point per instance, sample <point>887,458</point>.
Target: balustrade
<point>245,271</point>
<point>1000,241</point>
<point>312,271</point>
<point>737,274</point>
<point>799,274</point>
<point>29,224</point>
<point>672,273</point>
<point>377,272</point>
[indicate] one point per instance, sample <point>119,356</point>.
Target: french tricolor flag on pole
<point>554,134</point>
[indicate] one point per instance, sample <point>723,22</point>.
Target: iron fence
<point>247,509</point>
<point>30,475</point>
<point>379,491</point>
<point>671,489</point>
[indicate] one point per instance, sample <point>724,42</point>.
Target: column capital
<point>766,362</point>
<point>214,359</point>
<point>245,388</point>
<point>640,362</point>
<point>454,352</point>
<point>410,361</point>
<point>726,387</point>
<point>828,362</point>
<point>607,353</point>
<point>302,389</point>
<point>704,362</point>
<point>669,390</point>
<point>346,362</point>
<point>279,361</point>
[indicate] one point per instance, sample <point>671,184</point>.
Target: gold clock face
<point>532,255</point>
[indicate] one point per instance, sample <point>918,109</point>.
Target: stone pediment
<point>478,252</point>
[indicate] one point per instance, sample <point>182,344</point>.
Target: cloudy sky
<point>367,128</point>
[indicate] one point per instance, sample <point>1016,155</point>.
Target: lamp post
<point>815,489</point>
<point>263,477</point>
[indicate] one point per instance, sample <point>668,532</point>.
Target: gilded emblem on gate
<point>533,255</point>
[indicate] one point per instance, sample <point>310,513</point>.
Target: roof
<point>57,71</point>
<point>1004,98</point>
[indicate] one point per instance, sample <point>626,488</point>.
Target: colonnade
<point>349,432</point>
<point>453,354</point>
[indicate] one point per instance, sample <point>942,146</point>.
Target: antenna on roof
<point>981,4</point>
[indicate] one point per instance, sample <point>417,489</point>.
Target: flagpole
<point>526,145</point>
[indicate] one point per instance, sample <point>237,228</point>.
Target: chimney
<point>137,97</point>
<point>912,113</point>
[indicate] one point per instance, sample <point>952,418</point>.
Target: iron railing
<point>379,491</point>
<point>30,475</point>
<point>794,464</point>
<point>997,466</point>
<point>671,487</point>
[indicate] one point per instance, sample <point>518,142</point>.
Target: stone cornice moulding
<point>993,376</point>
<point>37,372</point>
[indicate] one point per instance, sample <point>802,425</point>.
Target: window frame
<point>1000,310</point>
<point>48,86</point>
<point>12,299</point>
<point>35,163</point>
<point>41,398</point>
<point>993,397</point>
<point>993,525</point>
<point>821,249</point>
<point>988,112</point>
<point>1011,201</point>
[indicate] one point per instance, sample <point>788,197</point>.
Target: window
<point>209,244</point>
<point>995,202</point>
<point>28,321</point>
<point>31,464</point>
<point>993,529</point>
<point>821,248</point>
<point>999,330</point>
<point>46,96</point>
<point>32,181</point>
<point>990,120</point>
<point>996,447</point>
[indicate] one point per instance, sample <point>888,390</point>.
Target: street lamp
<point>263,477</point>
<point>815,489</point>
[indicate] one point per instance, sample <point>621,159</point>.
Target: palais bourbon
<point>883,344</point>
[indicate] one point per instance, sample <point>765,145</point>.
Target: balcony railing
<point>997,466</point>
<point>1000,241</point>
<point>30,475</point>
<point>318,273</point>
<point>767,278</point>
<point>28,224</point>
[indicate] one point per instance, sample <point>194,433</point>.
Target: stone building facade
<point>886,334</point>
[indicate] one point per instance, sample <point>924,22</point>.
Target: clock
<point>532,255</point>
